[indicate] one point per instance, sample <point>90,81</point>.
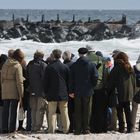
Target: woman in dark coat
<point>122,77</point>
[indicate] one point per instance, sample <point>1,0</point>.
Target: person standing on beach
<point>67,57</point>
<point>56,91</point>
<point>122,77</point>
<point>35,74</point>
<point>83,79</point>
<point>12,90</point>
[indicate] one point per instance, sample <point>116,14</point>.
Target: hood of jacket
<point>11,62</point>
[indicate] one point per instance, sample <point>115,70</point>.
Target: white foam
<point>131,47</point>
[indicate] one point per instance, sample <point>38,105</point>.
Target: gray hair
<point>66,55</point>
<point>38,54</point>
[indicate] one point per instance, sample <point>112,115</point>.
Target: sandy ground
<point>110,135</point>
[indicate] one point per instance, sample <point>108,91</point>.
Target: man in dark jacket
<point>56,90</point>
<point>84,77</point>
<point>35,76</point>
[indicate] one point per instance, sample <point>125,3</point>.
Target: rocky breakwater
<point>61,31</point>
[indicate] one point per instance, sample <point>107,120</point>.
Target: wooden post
<point>13,17</point>
<point>43,19</point>
<point>27,18</point>
<point>73,20</point>
<point>89,19</point>
<point>58,18</point>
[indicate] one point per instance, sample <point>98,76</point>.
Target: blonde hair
<point>66,55</point>
<point>38,54</point>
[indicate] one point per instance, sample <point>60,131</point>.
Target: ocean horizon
<point>66,15</point>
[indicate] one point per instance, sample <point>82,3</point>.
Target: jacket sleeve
<point>71,80</point>
<point>112,80</point>
<point>94,74</point>
<point>19,80</point>
<point>46,80</point>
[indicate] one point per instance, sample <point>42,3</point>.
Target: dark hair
<point>57,53</point>
<point>3,59</point>
<point>99,53</point>
<point>122,58</point>
<point>18,55</point>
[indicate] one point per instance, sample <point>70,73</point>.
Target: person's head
<point>50,59</point>
<point>38,54</point>
<point>66,55</point>
<point>10,53</point>
<point>99,53</point>
<point>108,62</point>
<point>123,59</point>
<point>3,59</point>
<point>57,53</point>
<point>82,51</point>
<point>115,53</point>
<point>90,48</point>
<point>18,55</point>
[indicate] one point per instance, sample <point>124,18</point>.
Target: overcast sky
<point>69,4</point>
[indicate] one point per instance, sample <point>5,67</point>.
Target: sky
<point>70,4</point>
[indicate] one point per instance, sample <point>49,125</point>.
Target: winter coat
<point>124,82</point>
<point>12,80</point>
<point>137,73</point>
<point>56,81</point>
<point>83,77</point>
<point>1,103</point>
<point>68,63</point>
<point>35,74</point>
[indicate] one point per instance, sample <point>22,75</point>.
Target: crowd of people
<point>87,95</point>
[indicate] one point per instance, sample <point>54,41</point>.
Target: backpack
<point>137,74</point>
<point>100,65</point>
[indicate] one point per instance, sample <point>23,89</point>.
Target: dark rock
<point>71,36</point>
<point>59,34</point>
<point>79,30</point>
<point>14,32</point>
<point>45,38</point>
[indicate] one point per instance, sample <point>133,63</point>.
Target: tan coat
<point>12,80</point>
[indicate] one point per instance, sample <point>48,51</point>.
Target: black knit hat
<point>82,50</point>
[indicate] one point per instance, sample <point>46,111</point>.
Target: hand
<point>71,95</point>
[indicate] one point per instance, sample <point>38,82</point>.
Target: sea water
<point>131,47</point>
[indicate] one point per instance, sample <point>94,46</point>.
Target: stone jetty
<point>61,31</point>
